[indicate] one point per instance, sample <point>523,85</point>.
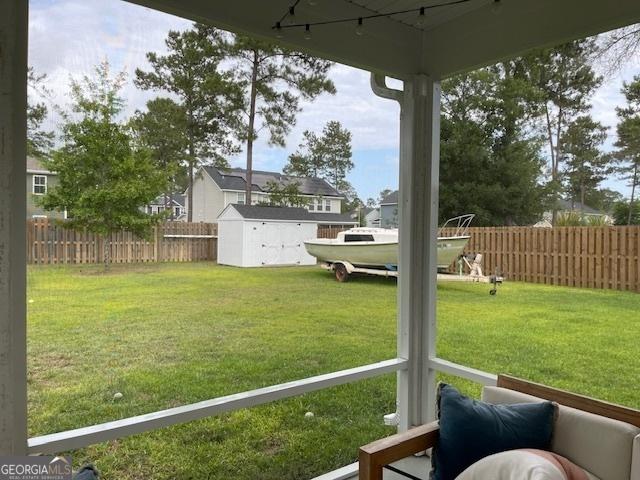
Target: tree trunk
<point>190,194</point>
<point>633,192</point>
<point>107,251</point>
<point>554,211</point>
<point>250,132</point>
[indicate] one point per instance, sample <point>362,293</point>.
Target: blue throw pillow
<point>471,430</point>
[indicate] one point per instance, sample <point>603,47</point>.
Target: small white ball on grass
<point>308,415</point>
<point>31,300</point>
<point>117,396</point>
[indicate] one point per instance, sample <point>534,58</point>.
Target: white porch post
<point>13,102</point>
<point>418,215</point>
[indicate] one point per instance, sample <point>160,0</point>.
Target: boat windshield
<point>358,237</point>
<point>456,226</point>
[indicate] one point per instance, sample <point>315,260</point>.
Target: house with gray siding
<point>39,181</point>
<point>389,211</point>
<point>214,189</point>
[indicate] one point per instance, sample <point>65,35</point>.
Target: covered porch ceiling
<point>454,38</point>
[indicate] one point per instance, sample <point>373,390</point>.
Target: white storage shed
<point>257,236</point>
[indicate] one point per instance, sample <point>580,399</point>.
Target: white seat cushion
<point>520,465</point>
<point>600,445</point>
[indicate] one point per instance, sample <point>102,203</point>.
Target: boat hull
<point>378,254</point>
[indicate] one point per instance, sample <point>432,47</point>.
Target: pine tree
<point>39,141</point>
<point>163,130</point>
<point>628,143</point>
<point>211,99</point>
<point>327,156</point>
<point>275,80</point>
<point>586,166</point>
<point>565,80</point>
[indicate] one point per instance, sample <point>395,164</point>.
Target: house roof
<point>175,198</point>
<point>34,165</point>
<point>391,199</point>
<point>235,179</point>
<point>576,206</point>
<point>260,212</point>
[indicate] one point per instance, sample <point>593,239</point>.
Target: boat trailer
<point>342,271</point>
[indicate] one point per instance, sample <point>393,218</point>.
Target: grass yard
<point>169,334</point>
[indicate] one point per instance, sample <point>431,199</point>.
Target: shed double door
<point>279,243</point>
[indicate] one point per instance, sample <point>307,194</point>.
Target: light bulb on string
<point>359,28</point>
<point>279,32</point>
<point>420,21</point>
<point>307,32</point>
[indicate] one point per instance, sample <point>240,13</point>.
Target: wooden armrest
<point>382,452</point>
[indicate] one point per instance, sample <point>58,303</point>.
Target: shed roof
<point>259,212</point>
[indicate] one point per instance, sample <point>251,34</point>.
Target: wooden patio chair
<point>600,437</point>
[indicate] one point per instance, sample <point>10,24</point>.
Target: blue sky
<point>68,37</point>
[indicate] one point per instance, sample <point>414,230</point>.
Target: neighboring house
<point>175,201</point>
<point>389,211</point>
<point>39,181</point>
<point>367,216</point>
<point>214,189</point>
<point>371,217</point>
<point>568,207</point>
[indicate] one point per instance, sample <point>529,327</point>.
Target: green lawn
<point>170,334</point>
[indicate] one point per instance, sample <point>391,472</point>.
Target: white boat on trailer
<point>375,250</point>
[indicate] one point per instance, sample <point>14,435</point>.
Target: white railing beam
<point>81,437</point>
<point>13,200</point>
<point>478,376</point>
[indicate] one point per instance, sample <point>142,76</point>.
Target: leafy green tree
<point>39,141</point>
<point>286,194</point>
<point>490,163</point>
<point>565,81</point>
<point>327,156</point>
<point>162,129</point>
<point>212,101</point>
<point>274,80</point>
<point>370,203</point>
<point>585,165</point>
<point>103,180</point>
<point>627,213</point>
<point>603,199</point>
<point>628,142</point>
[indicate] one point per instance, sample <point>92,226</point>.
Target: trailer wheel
<point>341,272</point>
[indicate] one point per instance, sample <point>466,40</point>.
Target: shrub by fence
<point>48,242</point>
<point>591,257</point>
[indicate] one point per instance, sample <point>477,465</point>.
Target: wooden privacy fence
<point>48,242</point>
<point>593,257</point>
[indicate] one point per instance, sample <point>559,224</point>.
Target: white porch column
<point>13,102</point>
<point>418,215</point>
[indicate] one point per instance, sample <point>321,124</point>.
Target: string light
<point>360,20</point>
<point>279,33</point>
<point>420,20</point>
